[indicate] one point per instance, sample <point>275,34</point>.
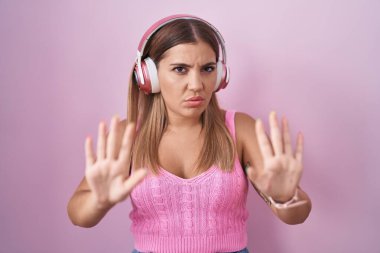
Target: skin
<point>185,71</point>
<point>183,74</point>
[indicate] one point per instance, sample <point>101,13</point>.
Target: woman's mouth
<point>195,101</point>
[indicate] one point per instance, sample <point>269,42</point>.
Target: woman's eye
<point>179,69</point>
<point>209,69</point>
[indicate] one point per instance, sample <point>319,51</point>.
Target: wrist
<point>101,204</point>
<point>286,204</point>
<point>280,200</point>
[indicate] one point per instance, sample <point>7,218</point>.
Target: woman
<point>182,166</point>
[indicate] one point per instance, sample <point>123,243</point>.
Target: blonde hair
<point>149,111</point>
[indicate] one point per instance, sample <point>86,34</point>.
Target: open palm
<point>282,169</point>
<point>107,174</point>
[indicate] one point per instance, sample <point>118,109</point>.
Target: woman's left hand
<point>282,169</point>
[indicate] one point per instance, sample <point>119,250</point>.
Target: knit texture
<point>206,213</point>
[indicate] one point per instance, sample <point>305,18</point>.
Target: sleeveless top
<point>206,213</point>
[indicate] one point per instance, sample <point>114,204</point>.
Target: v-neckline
<point>204,174</point>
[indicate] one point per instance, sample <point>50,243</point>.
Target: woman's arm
<point>83,208</point>
<point>107,180</point>
<point>271,179</point>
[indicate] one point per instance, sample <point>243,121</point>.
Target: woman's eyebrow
<point>187,65</point>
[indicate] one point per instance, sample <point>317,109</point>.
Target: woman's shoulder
<point>243,121</point>
<point>244,126</point>
<point>246,137</point>
<point>245,133</point>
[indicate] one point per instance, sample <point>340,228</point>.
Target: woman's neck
<point>178,123</point>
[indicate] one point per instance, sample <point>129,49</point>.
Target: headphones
<point>145,71</point>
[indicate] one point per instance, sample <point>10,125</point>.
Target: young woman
<point>179,156</point>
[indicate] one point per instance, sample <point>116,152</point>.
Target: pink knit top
<point>206,213</point>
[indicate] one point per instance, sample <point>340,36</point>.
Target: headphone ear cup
<point>148,82</point>
<point>152,74</point>
<point>222,76</point>
<point>142,80</point>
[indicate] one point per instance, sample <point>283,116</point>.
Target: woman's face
<point>187,76</point>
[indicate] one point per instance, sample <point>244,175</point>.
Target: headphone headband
<point>160,23</point>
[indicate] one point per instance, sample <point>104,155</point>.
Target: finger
<point>299,149</point>
<point>90,159</point>
<point>275,133</point>
<point>101,141</point>
<point>134,179</point>
<point>287,139</point>
<point>126,146</point>
<point>112,138</point>
<point>265,146</point>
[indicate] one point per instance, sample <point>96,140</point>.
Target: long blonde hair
<point>149,111</point>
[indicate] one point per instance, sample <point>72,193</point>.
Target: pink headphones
<point>145,72</point>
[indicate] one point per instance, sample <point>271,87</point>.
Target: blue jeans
<point>245,250</point>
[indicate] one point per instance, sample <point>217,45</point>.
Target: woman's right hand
<point>107,174</point>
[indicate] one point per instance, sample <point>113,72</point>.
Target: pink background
<point>64,66</point>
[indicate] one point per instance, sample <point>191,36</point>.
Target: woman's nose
<point>195,81</point>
